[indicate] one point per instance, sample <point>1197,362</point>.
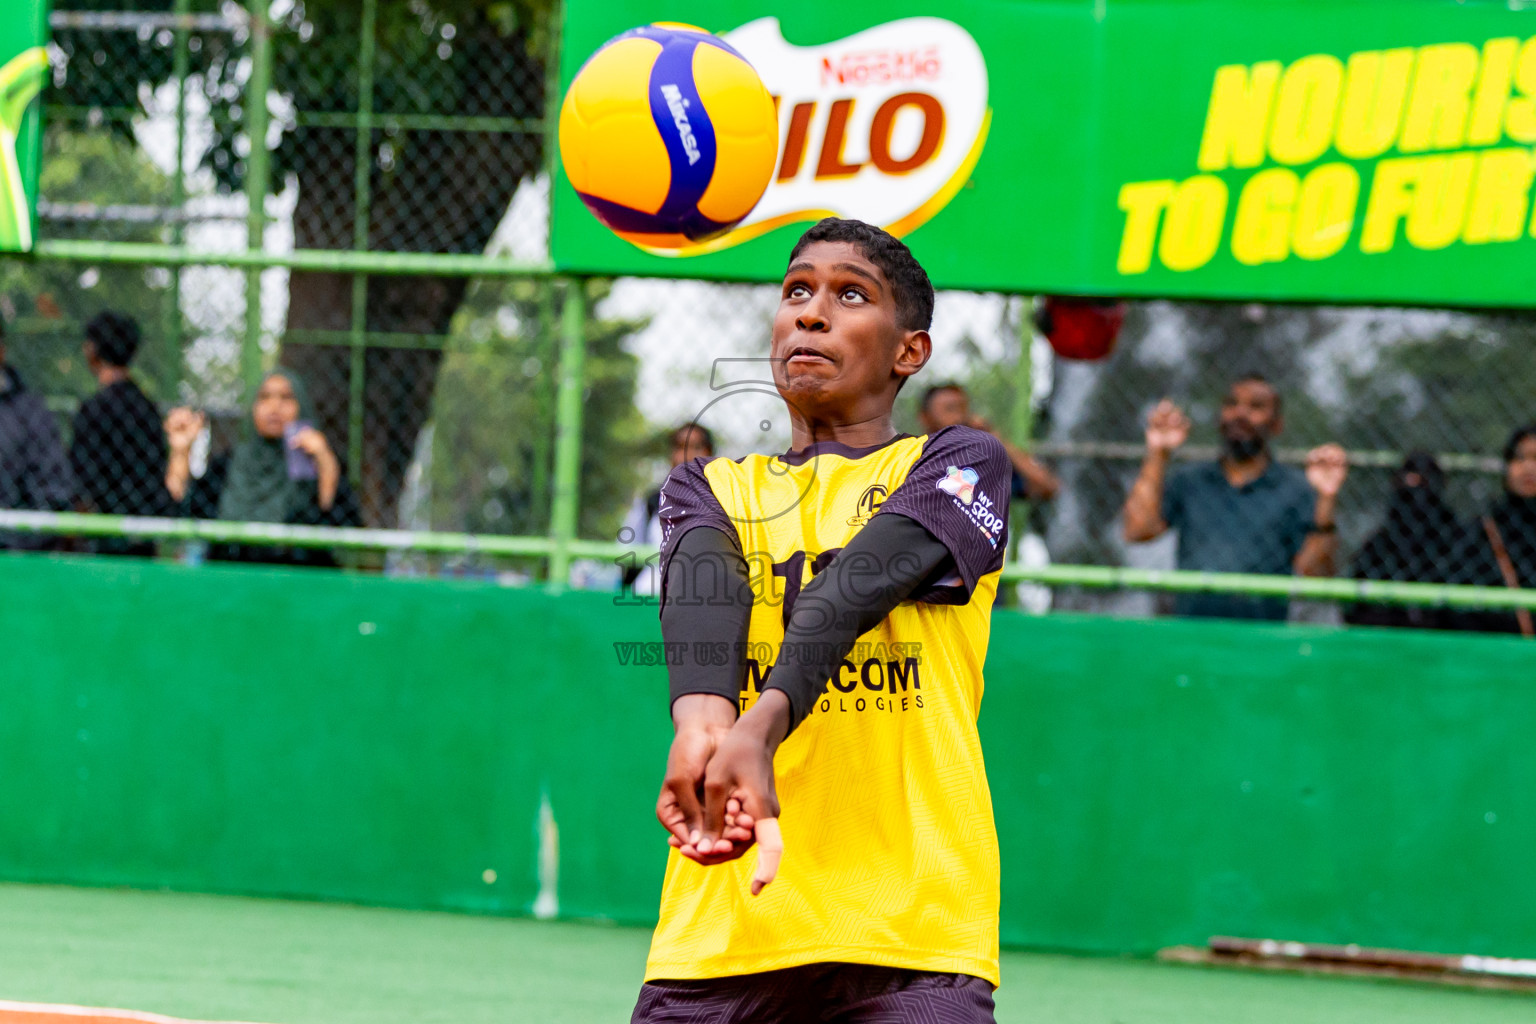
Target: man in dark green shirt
<point>1243,513</point>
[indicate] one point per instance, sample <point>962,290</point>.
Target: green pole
<point>1022,427</point>
<point>258,171</point>
<point>1024,377</point>
<point>544,406</point>
<point>552,412</point>
<point>563,516</point>
<point>552,88</point>
<point>169,374</point>
<point>362,201</point>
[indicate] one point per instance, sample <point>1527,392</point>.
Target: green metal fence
<point>359,192</point>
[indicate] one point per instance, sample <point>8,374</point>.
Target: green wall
<point>384,741</point>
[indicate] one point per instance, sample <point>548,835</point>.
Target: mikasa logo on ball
<point>678,106</point>
<point>884,125</point>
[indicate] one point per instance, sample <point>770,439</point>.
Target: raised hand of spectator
<point>313,443</point>
<point>182,425</point>
<point>1327,469</point>
<point>1039,482</point>
<point>1167,427</point>
<point>982,423</point>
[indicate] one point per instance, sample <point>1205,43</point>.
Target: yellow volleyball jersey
<point>890,852</point>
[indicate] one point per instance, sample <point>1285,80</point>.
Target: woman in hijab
<point>1413,545</point>
<point>1499,549</point>
<point>285,472</point>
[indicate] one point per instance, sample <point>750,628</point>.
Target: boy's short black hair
<point>115,335</point>
<point>909,281</point>
<point>929,394</point>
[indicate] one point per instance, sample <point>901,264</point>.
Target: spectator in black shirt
<point>1499,549</point>
<point>119,452</point>
<point>34,474</point>
<point>1414,544</point>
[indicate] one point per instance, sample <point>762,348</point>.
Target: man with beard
<point>1244,512</point>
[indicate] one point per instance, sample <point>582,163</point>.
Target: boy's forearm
<point>769,720</point>
<point>707,711</point>
<point>706,610</point>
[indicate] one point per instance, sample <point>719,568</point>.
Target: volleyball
<point>668,135</point>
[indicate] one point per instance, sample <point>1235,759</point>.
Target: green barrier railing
<point>340,261</point>
<point>560,550</point>
<point>215,531</point>
<point>1304,588</point>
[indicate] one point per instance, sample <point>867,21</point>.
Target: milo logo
<point>884,126</point>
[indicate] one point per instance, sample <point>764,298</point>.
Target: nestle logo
<point>876,67</point>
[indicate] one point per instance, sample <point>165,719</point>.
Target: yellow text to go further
<point>1428,202</point>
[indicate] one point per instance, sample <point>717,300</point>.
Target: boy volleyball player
<point>832,605</point>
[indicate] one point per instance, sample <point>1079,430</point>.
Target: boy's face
<point>838,347</point>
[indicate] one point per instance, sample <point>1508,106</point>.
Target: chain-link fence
<point>357,193</point>
<point>386,130</point>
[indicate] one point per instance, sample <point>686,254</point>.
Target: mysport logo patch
<point>961,484</point>
<point>884,126</point>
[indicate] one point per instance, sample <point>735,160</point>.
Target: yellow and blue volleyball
<point>668,135</point>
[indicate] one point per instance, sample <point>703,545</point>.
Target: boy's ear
<point>912,353</point>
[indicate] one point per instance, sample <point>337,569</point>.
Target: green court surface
<point>228,958</point>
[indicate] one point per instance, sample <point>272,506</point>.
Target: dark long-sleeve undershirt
<point>708,599</point>
<point>706,602</point>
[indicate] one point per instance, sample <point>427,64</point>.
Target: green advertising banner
<point>1311,150</point>
<point>23,71</point>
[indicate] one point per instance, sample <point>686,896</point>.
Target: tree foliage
<point>494,418</point>
<point>46,304</point>
<point>458,96</point>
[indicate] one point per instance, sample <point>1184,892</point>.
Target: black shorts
<point>841,993</point>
